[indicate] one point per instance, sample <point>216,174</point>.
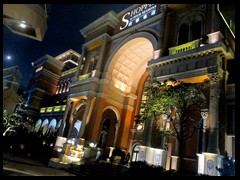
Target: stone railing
<point>53,109</point>
<point>85,76</point>
<point>184,47</point>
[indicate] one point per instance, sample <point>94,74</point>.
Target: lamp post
<point>163,139</point>
<point>204,114</point>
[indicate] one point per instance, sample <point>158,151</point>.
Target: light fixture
<point>153,12</point>
<point>139,126</point>
<point>22,24</point>
<point>204,114</point>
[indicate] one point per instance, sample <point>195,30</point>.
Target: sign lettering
<point>137,15</point>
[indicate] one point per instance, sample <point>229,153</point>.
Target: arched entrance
<point>108,129</point>
<point>78,116</point>
<point>129,59</point>
<point>135,151</point>
<point>126,72</point>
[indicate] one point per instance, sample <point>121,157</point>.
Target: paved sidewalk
<point>29,167</point>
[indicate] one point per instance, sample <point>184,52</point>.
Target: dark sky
<point>63,33</point>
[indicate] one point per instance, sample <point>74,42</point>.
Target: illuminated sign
<point>138,15</point>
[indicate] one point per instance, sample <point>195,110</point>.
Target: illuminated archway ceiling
<point>130,63</point>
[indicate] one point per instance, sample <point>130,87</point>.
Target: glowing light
<point>22,25</point>
<point>153,12</point>
<point>123,88</point>
<point>139,126</point>
<point>145,16</point>
<point>137,20</point>
<point>9,57</point>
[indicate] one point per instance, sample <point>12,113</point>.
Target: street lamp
<point>204,114</point>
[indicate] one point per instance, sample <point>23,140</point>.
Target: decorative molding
<point>110,19</point>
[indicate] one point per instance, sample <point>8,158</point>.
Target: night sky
<point>63,33</point>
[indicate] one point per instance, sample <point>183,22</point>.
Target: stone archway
<point>125,69</point>
<point>128,61</point>
<point>108,129</point>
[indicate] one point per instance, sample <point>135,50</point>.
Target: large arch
<point>128,61</point>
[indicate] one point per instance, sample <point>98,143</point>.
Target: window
<point>92,65</point>
<point>191,27</point>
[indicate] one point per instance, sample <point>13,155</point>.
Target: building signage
<point>138,15</point>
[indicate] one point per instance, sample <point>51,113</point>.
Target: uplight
<point>22,25</point>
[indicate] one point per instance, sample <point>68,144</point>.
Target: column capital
<point>105,37</point>
<point>69,101</point>
<point>215,77</point>
<point>163,8</point>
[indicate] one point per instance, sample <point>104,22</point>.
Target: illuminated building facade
<point>189,42</point>
<point>49,88</point>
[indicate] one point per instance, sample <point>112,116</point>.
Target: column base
<point>208,163</point>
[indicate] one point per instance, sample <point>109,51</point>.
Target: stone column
<point>213,139</point>
<point>147,135</point>
<point>78,72</point>
<point>103,48</point>
<point>163,10</point>
<point>116,134</point>
<point>215,21</point>
<point>163,138</point>
<point>67,111</point>
<point>85,115</point>
<point>72,121</point>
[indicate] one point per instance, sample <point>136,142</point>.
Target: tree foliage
<point>178,100</point>
<point>15,119</point>
<point>175,99</point>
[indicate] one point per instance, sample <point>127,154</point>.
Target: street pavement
<point>18,165</point>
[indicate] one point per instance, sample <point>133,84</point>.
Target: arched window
<point>61,87</point>
<point>196,29</point>
<point>68,84</point>
<point>38,125</point>
<point>51,127</point>
<point>135,152</point>
<point>57,89</point>
<point>183,34</point>
<point>64,86</point>
<point>44,126</point>
<point>76,129</point>
<point>191,27</point>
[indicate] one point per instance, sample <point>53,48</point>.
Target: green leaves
<point>16,119</point>
<point>174,98</point>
